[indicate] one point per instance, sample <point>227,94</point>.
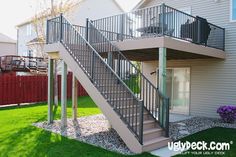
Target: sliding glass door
<point>178,89</point>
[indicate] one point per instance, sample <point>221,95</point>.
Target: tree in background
<point>45,12</point>
<point>39,24</point>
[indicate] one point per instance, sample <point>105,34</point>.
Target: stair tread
<point>116,91</point>
<point>155,140</point>
<point>146,121</point>
<point>120,99</point>
<point>148,131</point>
<point>127,106</point>
<point>134,114</point>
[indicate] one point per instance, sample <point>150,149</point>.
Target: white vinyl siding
<point>29,30</point>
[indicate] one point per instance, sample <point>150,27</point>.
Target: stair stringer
<point>127,136</point>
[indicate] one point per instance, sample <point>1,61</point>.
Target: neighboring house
<point>188,53</point>
<point>7,45</point>
<point>28,42</point>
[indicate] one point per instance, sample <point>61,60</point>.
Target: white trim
<point>119,6</point>
<point>29,29</point>
<point>231,12</point>
<point>137,6</point>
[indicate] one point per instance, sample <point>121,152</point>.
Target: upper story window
<point>233,10</point>
<point>29,29</point>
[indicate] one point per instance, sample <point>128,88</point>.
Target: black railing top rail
<point>191,16</point>
<point>147,94</point>
<point>137,10</point>
<point>74,37</point>
<point>68,35</point>
<point>95,51</point>
<point>215,36</point>
<point>116,49</point>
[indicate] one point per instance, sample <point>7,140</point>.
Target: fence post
<point>118,65</point>
<point>74,97</point>
<point>90,35</point>
<point>47,31</point>
<point>87,30</point>
<point>61,27</point>
<point>198,31</point>
<point>163,18</point>
<point>122,22</point>
<point>64,95</point>
<point>140,103</point>
<point>167,117</point>
<point>50,91</point>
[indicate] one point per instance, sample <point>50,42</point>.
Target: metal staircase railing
<point>154,102</point>
<point>121,83</point>
<point>104,78</point>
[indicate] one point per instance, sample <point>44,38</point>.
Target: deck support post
<point>74,97</point>
<point>64,95</point>
<point>55,84</point>
<point>162,70</point>
<point>50,91</point>
<point>162,82</point>
<point>110,59</point>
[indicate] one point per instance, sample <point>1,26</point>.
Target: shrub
<point>227,113</point>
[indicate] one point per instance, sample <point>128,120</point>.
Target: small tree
<point>39,25</point>
<point>39,19</point>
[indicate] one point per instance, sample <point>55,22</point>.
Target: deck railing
<point>153,100</point>
<point>159,21</point>
<point>104,78</point>
<point>13,63</point>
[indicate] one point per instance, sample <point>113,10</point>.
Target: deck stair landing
<point>134,116</point>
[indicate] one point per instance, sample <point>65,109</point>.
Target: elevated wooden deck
<point>146,49</point>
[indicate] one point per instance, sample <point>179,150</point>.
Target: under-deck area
<point>147,49</point>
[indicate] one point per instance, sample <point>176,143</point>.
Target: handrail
<point>99,41</point>
<point>163,20</point>
<point>104,79</point>
<point>118,50</point>
<point>87,43</point>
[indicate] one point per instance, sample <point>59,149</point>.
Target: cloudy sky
<point>13,12</point>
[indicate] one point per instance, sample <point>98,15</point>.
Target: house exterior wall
<point>213,82</point>
<point>86,9</point>
<point>23,38</point>
<point>93,10</point>
<point>7,49</point>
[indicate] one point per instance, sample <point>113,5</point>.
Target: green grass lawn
<point>213,134</point>
<point>19,138</point>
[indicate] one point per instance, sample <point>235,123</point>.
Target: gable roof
<point>6,39</point>
<point>118,5</point>
<point>29,20</point>
<point>140,4</point>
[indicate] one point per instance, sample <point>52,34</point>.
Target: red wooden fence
<point>29,89</point>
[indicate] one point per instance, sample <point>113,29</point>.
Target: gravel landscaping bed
<point>95,130</point>
<point>187,127</point>
<point>92,129</point>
